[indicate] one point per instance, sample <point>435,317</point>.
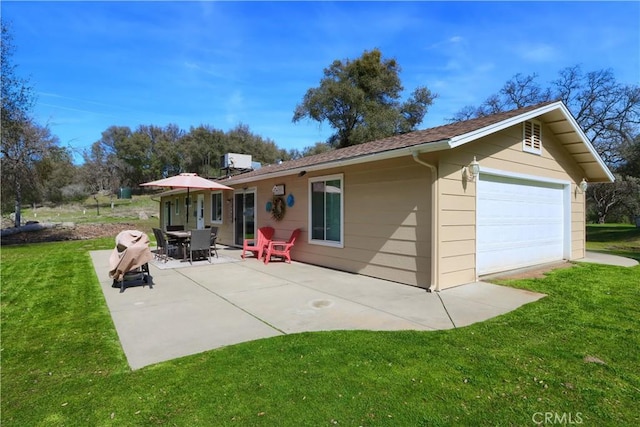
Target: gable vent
<point>532,140</point>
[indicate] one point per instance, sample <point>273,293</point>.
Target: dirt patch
<point>593,359</point>
<point>532,273</point>
<point>60,233</point>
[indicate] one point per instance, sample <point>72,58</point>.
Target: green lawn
<point>573,354</point>
<point>617,239</point>
<point>87,211</point>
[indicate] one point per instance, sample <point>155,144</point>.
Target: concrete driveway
<point>192,309</point>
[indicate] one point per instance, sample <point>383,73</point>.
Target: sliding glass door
<point>244,208</point>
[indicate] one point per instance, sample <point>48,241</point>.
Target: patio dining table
<point>182,237</point>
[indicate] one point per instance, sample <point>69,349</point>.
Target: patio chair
<point>175,227</point>
<point>259,244</point>
<point>280,248</point>
<point>171,240</point>
<point>214,237</point>
<point>163,248</point>
<point>200,243</point>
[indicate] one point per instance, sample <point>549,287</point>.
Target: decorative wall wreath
<point>278,208</point>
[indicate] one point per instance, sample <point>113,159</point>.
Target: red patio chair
<point>259,244</point>
<point>281,249</point>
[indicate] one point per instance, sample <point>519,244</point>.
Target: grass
<point>616,239</point>
<point>87,211</point>
<point>573,353</point>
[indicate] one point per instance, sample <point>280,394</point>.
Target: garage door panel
<point>520,223</point>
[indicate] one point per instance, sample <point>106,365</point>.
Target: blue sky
<point>98,64</point>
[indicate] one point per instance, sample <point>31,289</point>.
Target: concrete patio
<point>200,307</point>
<point>192,309</point>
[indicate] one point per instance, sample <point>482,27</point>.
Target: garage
<point>521,222</point>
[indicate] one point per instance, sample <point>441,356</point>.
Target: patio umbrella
<point>188,181</point>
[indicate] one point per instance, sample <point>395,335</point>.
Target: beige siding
<point>578,223</point>
<point>180,218</point>
<point>388,210</point>
<point>501,151</point>
<point>386,222</point>
<point>176,219</point>
<point>387,214</point>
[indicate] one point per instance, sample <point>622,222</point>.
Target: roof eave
<point>496,127</point>
<point>587,143</point>
<point>503,124</point>
<point>384,155</point>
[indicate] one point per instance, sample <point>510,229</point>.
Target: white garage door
<point>520,223</point>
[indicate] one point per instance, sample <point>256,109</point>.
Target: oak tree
<point>360,99</point>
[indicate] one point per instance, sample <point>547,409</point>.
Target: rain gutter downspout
<point>435,222</point>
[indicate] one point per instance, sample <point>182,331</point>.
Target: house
<point>433,208</point>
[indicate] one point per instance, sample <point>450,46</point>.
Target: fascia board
<point>496,127</point>
<point>587,143</point>
<point>456,141</point>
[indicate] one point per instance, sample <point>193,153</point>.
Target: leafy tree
<point>122,157</point>
<point>204,146</point>
<point>135,155</point>
<point>100,170</point>
<point>619,200</point>
<point>24,143</point>
<point>56,172</point>
<point>631,159</point>
<point>25,150</point>
<point>17,95</point>
<point>166,156</point>
<point>125,157</point>
<point>201,150</point>
<point>104,169</point>
<point>317,148</point>
<point>241,140</point>
<point>361,100</point>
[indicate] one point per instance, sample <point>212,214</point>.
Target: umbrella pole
<point>188,203</point>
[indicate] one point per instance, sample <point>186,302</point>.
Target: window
<point>326,210</point>
<point>532,137</point>
<point>216,208</point>
<point>177,206</point>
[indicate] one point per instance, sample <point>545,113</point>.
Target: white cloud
<point>234,107</point>
<point>538,52</point>
<point>446,44</point>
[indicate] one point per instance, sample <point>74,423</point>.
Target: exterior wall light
<point>583,185</point>
<point>470,172</point>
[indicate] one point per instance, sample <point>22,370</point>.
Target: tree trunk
<point>18,206</point>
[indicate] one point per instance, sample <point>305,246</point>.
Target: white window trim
<point>330,243</point>
<point>528,144</point>
<point>177,203</point>
<point>216,221</point>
